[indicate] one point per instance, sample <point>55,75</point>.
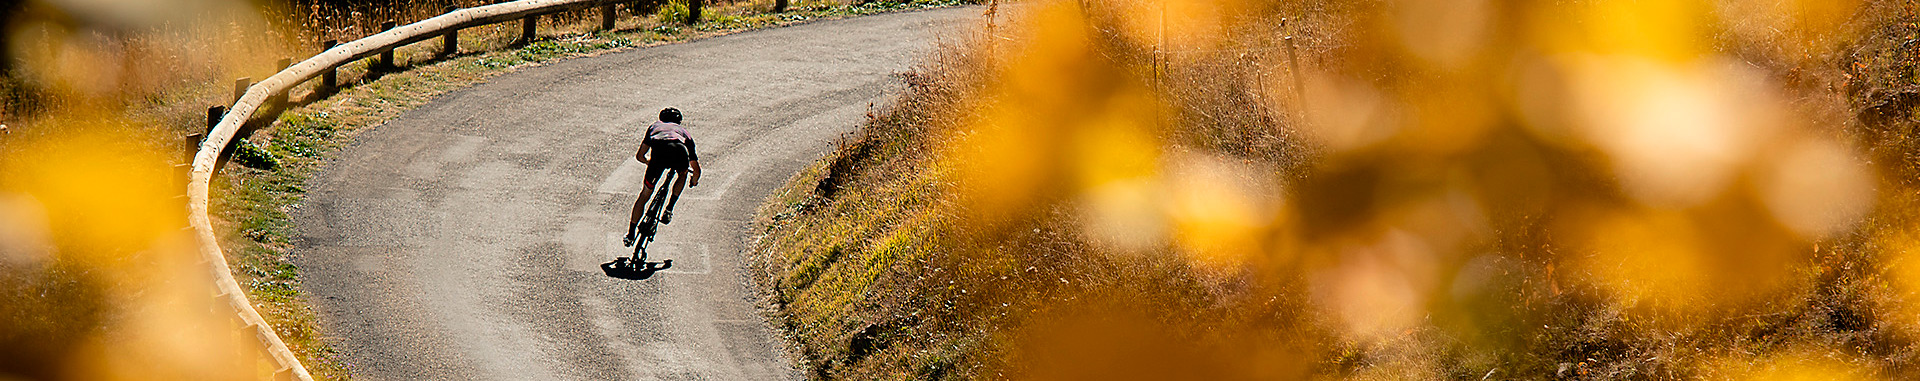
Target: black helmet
<point>670,115</point>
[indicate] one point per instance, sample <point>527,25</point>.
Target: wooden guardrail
<point>275,88</point>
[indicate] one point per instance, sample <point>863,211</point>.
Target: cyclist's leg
<point>659,200</point>
<point>677,187</point>
<point>633,224</point>
<point>666,216</point>
<point>677,168</point>
<point>654,167</point>
<point>640,204</point>
<point>654,172</point>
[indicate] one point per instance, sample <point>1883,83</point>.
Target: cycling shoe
<point>667,217</point>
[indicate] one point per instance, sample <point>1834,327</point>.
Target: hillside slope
<point>1718,190</point>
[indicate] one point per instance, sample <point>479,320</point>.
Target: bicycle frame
<point>650,219</point>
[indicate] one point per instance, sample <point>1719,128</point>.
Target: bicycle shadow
<point>626,268</point>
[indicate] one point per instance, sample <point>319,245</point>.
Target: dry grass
<point>1465,202</point>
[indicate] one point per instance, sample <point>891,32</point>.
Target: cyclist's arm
<point>695,180</point>
<point>693,162</point>
<point>693,151</point>
<point>641,155</point>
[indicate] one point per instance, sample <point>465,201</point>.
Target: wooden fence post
<point>281,100</point>
<point>386,57</point>
<point>450,42</point>
<point>252,349</point>
<point>192,149</point>
<point>693,11</point>
<point>328,79</point>
<point>214,114</point>
<point>183,172</point>
<point>606,16</point>
<point>240,87</point>
<point>245,358</point>
<point>526,29</point>
<point>779,6</point>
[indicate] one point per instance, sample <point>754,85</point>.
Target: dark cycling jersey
<point>671,147</point>
<point>674,132</point>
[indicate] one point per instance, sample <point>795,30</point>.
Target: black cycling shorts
<point>666,154</point>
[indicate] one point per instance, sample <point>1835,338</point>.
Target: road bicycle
<point>636,266</point>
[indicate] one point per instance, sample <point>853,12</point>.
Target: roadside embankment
<point>1252,190</point>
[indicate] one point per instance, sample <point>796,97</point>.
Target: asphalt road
<point>462,240</point>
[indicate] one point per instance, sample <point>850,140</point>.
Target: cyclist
<point>672,148</point>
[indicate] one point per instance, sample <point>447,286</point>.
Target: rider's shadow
<point>626,268</point>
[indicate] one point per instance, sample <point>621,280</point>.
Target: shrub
<point>675,12</point>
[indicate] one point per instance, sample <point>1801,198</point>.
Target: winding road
<point>462,239</point>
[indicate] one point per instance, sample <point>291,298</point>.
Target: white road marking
<point>629,177</point>
<point>624,180</point>
<point>662,249</point>
<point>709,190</point>
<point>706,265</point>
